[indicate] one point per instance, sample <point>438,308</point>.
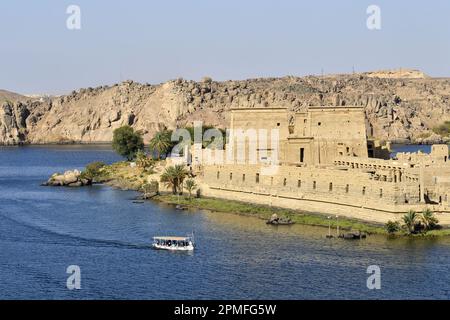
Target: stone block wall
<point>319,184</point>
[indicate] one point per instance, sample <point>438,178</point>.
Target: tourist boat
<point>174,243</point>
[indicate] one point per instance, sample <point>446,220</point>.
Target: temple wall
<point>330,185</point>
<point>324,167</point>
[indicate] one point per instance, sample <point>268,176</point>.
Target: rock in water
<point>275,220</point>
<point>68,179</point>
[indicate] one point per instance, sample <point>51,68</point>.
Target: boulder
<point>68,179</point>
<point>275,220</point>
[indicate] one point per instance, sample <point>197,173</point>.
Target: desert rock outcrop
<point>68,179</point>
<point>399,108</point>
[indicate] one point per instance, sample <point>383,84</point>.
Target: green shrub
<point>149,189</point>
<point>144,162</point>
<point>428,220</point>
<point>92,170</point>
<point>392,227</point>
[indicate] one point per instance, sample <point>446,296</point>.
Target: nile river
<point>44,230</point>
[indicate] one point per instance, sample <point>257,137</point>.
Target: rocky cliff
<point>402,107</point>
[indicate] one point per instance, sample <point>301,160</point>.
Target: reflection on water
<point>43,230</point>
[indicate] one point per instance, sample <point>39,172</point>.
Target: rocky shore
<point>124,176</point>
<point>72,178</point>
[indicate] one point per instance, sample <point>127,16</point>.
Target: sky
<point>155,41</point>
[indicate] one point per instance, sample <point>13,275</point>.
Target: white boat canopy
<point>172,238</point>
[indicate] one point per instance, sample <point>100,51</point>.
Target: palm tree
<point>169,179</point>
<point>161,142</point>
<point>410,221</point>
<point>428,219</point>
<point>180,173</point>
<point>190,185</point>
<point>174,176</point>
<point>392,226</point>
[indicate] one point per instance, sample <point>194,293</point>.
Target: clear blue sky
<point>154,41</point>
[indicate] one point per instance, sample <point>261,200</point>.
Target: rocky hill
<point>399,106</point>
<point>6,96</point>
<point>397,74</point>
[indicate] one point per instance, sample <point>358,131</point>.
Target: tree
<point>142,161</point>
<point>168,178</point>
<point>410,221</point>
<point>173,177</point>
<point>428,220</point>
<point>127,142</point>
<point>392,227</point>
<point>190,185</point>
<point>161,143</point>
<point>181,173</point>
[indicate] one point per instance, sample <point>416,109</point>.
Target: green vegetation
<point>127,142</point>
<point>93,171</point>
<point>212,143</point>
<point>150,189</point>
<point>410,221</point>
<point>428,220</point>
<point>173,177</point>
<point>443,129</point>
<point>265,212</point>
<point>144,162</point>
<point>190,185</point>
<point>161,143</point>
<point>393,227</point>
<point>416,224</point>
<point>124,176</point>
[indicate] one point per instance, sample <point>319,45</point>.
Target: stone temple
<point>323,160</point>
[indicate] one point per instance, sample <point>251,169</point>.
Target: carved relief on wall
<point>291,123</point>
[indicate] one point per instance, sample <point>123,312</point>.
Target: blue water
<point>44,230</point>
<point>410,148</point>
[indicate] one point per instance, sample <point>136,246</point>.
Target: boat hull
<point>172,248</point>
